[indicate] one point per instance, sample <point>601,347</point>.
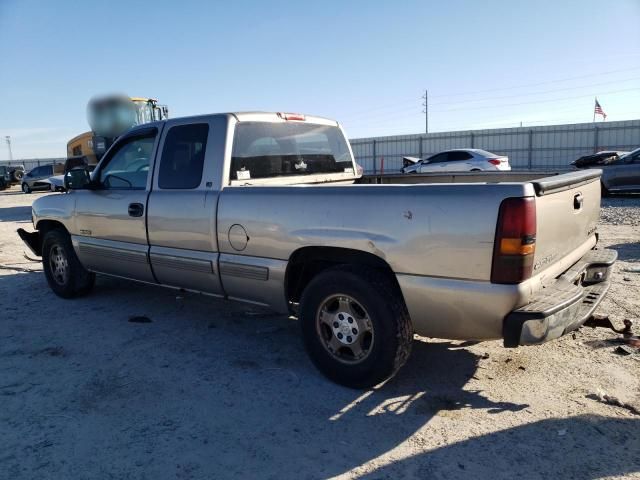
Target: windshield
<point>267,150</point>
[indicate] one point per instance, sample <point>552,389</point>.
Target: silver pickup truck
<point>270,209</point>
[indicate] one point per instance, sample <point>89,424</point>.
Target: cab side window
<point>128,166</point>
<point>183,156</point>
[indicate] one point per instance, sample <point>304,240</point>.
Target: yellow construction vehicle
<point>109,117</point>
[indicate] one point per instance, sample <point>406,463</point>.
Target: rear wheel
<point>25,188</point>
<point>604,191</point>
<point>65,274</point>
<point>355,326</point>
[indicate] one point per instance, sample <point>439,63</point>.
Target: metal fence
<point>528,148</point>
<point>31,163</point>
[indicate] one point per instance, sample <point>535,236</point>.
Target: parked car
<point>601,158</point>
<point>36,178</point>
<point>56,183</point>
<point>5,178</point>
<point>262,208</point>
<point>16,172</point>
<point>459,160</point>
<point>621,174</point>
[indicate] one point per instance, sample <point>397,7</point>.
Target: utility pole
<point>8,139</point>
<point>426,111</point>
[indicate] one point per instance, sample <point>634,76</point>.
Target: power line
<point>540,92</point>
<point>539,101</point>
<point>409,110</point>
<point>393,106</point>
<point>567,79</point>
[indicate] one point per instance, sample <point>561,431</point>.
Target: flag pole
<point>594,112</point>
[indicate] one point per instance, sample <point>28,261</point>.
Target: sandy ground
<point>211,389</point>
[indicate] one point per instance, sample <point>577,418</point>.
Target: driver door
<point>435,163</point>
<point>110,225</point>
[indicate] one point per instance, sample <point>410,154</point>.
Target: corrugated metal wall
<point>537,148</point>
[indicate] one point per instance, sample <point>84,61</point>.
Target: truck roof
<point>252,117</point>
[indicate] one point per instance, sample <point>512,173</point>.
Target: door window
<point>183,157</point>
<point>128,166</point>
<point>439,158</point>
<point>459,156</point>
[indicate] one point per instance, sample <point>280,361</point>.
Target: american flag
<point>598,110</point>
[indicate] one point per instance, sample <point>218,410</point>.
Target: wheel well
<point>307,262</point>
<point>45,226</point>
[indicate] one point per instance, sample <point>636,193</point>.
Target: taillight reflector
<point>292,116</point>
<point>494,161</point>
<point>515,241</point>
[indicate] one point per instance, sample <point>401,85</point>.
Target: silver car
<point>460,160</point>
<point>36,178</point>
<point>622,175</point>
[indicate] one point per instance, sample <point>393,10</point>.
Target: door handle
<point>136,209</point>
<point>577,201</point>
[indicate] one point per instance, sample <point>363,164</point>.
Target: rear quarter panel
<point>429,230</point>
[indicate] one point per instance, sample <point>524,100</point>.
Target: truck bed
<point>456,177</point>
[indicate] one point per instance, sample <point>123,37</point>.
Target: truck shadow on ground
<point>582,447</point>
<point>15,214</point>
<point>212,389</point>
<point>627,252</point>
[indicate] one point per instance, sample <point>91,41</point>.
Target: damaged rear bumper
<point>32,240</point>
<point>563,306</point>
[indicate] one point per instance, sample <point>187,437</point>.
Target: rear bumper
<point>563,306</point>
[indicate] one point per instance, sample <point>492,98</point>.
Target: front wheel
<point>25,188</point>
<point>65,274</point>
<point>355,326</point>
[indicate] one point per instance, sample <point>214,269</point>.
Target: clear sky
<point>486,63</point>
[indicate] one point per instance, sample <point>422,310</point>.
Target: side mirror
<point>77,179</point>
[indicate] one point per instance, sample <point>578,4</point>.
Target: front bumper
<point>563,306</point>
<point>32,240</point>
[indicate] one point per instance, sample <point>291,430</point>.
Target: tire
<point>16,176</point>
<point>383,349</point>
<point>25,188</point>
<point>475,170</point>
<point>65,274</point>
<point>604,191</point>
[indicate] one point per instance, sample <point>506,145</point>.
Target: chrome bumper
<point>563,306</point>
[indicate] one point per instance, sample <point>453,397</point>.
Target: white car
<point>56,183</point>
<point>459,160</point>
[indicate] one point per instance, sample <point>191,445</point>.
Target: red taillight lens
<point>292,116</point>
<point>515,242</point>
<point>494,161</point>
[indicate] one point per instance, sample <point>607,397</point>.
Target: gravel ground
<point>211,389</point>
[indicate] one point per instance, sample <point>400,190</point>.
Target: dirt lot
<point>211,389</point>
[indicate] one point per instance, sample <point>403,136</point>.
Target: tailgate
<point>567,212</point>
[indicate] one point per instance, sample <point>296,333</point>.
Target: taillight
<point>494,161</point>
<point>291,116</point>
<point>515,242</point>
